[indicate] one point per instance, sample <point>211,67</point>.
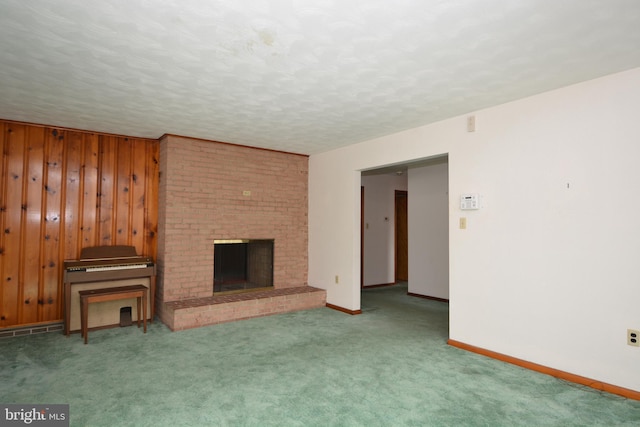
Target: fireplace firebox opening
<point>242,265</point>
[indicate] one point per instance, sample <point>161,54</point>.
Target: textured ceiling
<point>295,75</point>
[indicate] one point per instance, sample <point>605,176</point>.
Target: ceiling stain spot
<point>266,37</point>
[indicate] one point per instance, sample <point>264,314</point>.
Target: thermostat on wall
<point>469,202</point>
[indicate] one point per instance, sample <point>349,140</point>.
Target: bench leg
<point>144,311</point>
<point>84,319</point>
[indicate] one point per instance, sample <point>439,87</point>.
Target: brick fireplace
<point>211,192</point>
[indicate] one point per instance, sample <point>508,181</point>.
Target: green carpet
<point>389,366</point>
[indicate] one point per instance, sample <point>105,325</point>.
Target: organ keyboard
<point>115,267</point>
<point>105,264</point>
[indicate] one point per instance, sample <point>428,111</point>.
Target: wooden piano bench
<point>111,294</point>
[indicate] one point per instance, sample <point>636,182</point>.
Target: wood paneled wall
<point>60,191</point>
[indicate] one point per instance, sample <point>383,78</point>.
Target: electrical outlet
<point>463,223</point>
<point>633,337</point>
<point>337,279</point>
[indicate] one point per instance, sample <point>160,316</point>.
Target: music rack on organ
<point>104,264</point>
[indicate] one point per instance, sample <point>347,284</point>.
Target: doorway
<point>401,236</point>
<point>387,253</point>
<point>362,236</point>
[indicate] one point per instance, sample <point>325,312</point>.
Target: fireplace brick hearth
<point>209,191</point>
<point>198,312</point>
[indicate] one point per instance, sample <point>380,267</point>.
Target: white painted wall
<point>379,231</point>
<point>543,272</point>
<point>429,230</point>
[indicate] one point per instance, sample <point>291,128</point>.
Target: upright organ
<point>102,267</point>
